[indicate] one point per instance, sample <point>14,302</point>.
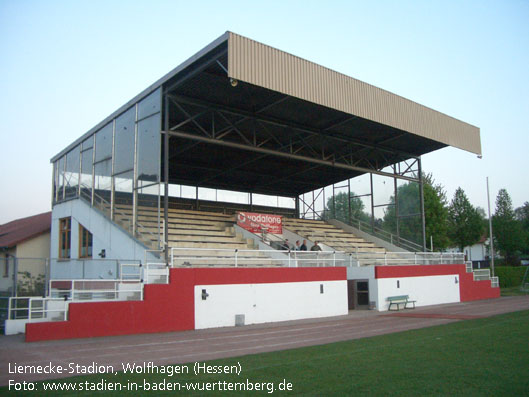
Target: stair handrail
<point>372,229</point>
<point>385,235</point>
<point>138,224</point>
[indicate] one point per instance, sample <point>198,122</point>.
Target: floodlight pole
<point>491,240</point>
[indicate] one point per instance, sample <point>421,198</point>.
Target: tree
<point>338,208</point>
<point>409,210</point>
<point>465,222</point>
<point>507,230</point>
<point>522,215</point>
<point>436,213</point>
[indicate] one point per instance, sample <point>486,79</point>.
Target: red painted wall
<point>168,307</point>
<point>417,270</point>
<point>469,289</point>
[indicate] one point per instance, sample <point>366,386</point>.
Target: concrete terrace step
<point>349,244</point>
<point>188,232</point>
<point>209,265</point>
<point>176,218</point>
<point>226,262</point>
<point>339,239</point>
<point>219,252</point>
<point>192,244</point>
<point>207,239</point>
<point>177,214</point>
<point>330,235</point>
<point>303,221</point>
<point>184,226</point>
<point>178,211</point>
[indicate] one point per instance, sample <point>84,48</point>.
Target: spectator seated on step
<point>315,247</point>
<point>286,245</point>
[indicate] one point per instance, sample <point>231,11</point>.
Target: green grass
<point>482,357</point>
<point>513,291</point>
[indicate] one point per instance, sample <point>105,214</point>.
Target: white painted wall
<point>432,290</point>
<point>262,303</point>
<point>116,242</point>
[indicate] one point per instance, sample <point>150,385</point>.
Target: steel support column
<point>372,204</point>
<point>112,178</point>
<point>395,187</point>
<point>350,215</point>
<point>421,192</point>
<point>135,177</point>
<point>166,182</point>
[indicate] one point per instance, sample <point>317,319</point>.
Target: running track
<point>201,345</point>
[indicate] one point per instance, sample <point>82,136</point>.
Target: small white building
<point>475,253</point>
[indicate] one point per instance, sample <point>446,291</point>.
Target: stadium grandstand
<point>182,209</point>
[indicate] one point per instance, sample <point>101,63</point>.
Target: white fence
<point>95,290</point>
<point>211,257</point>
<point>150,273</point>
<point>406,258</point>
<point>252,258</point>
<point>33,309</point>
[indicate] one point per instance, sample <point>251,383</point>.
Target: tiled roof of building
<point>19,230</point>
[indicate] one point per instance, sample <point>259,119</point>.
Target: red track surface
<point>192,346</point>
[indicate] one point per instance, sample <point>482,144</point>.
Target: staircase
<point>482,275</point>
<point>330,235</point>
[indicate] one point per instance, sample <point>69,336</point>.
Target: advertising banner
<point>255,223</point>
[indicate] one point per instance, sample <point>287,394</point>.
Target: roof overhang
<point>267,67</point>
<point>245,116</point>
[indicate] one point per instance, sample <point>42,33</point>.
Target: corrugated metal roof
<point>261,65</point>
<point>20,230</point>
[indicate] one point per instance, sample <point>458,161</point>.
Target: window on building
<point>65,226</point>
<point>85,243</point>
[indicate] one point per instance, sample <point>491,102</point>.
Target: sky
<point>66,65</point>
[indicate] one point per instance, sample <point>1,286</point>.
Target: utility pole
<point>491,242</point>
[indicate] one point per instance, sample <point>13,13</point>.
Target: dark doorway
<point>362,294</point>
<point>357,294</point>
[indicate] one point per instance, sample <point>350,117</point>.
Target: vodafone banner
<point>256,222</point>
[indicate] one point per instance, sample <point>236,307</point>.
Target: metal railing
<point>406,258</point>
<point>482,274</point>
<point>149,273</point>
<point>34,308</point>
<point>235,257</point>
<point>157,252</point>
<point>375,231</point>
<point>104,206</point>
<point>95,290</point>
<point>222,257</point>
<point>88,268</point>
<point>385,235</point>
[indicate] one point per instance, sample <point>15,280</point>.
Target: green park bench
<point>399,300</point>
